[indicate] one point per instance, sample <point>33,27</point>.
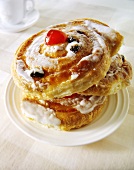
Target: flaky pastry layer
<point>65,114</point>
<point>117,78</point>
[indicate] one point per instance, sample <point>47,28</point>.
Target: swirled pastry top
<point>66,66</point>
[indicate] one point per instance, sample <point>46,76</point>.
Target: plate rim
<point>123,114</point>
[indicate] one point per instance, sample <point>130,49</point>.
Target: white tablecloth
<point>18,151</point>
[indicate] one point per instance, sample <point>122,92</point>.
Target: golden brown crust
<point>70,120</point>
<point>68,75</point>
<point>117,78</point>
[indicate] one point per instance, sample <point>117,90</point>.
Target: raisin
<point>81,32</point>
<point>36,74</point>
<point>71,39</point>
<point>123,58</point>
<point>75,48</point>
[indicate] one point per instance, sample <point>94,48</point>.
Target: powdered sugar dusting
<point>105,30</point>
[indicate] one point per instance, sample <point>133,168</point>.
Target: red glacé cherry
<point>55,37</point>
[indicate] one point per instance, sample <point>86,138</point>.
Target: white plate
<point>111,118</point>
<point>28,21</point>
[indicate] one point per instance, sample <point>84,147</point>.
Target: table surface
<point>116,151</point>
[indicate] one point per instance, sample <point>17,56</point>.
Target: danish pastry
<point>65,114</point>
<point>117,77</point>
<point>60,60</point>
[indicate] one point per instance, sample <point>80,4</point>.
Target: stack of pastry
<point>67,71</point>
